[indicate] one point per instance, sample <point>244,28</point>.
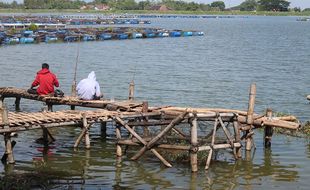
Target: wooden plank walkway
<point>20,121</point>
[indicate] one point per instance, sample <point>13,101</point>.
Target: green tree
<point>144,5</point>
<point>123,4</point>
<point>248,5</point>
<point>218,4</point>
<point>100,2</point>
<point>297,9</point>
<point>33,27</point>
<point>273,5</point>
<point>306,10</point>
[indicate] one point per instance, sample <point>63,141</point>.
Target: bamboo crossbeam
<point>150,144</point>
<point>32,127</point>
<point>218,146</point>
<point>166,163</point>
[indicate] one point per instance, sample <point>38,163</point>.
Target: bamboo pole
<point>103,129</point>
<point>72,107</point>
<point>131,90</point>
<point>160,135</point>
<point>38,126</point>
<point>215,127</point>
<point>194,144</point>
<point>218,146</point>
<point>9,149</point>
<point>7,136</point>
<point>50,107</point>
<point>86,126</point>
<point>17,103</point>
<point>1,101</point>
<point>226,132</point>
<point>166,163</point>
<point>145,108</point>
<point>45,136</point>
<point>83,132</point>
<point>237,136</point>
<point>250,116</point>
<point>118,138</point>
<point>274,122</point>
<point>162,146</point>
<point>4,115</point>
<point>268,131</point>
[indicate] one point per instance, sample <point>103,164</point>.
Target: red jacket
<point>46,80</point>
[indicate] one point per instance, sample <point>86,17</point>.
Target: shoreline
<point>77,11</point>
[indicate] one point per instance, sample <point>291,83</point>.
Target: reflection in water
<point>308,150</point>
<point>99,168</point>
<point>246,174</point>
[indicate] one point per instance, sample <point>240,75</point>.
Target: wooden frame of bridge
<point>149,129</point>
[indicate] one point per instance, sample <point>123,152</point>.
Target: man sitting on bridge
<point>46,81</point>
<point>88,88</point>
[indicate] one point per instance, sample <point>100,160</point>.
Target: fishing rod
<point>73,90</point>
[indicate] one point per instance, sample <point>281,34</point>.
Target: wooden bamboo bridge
<point>149,129</point>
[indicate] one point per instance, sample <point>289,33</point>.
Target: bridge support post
<point>194,143</point>
<point>84,133</point>
<point>9,145</point>
<point>49,107</point>
<point>86,126</point>
<point>131,90</point>
<point>8,156</point>
<point>145,109</point>
<point>237,136</point>
<point>72,107</point>
<point>250,118</point>
<point>1,101</point>
<point>47,136</point>
<point>268,131</point>
<point>118,137</point>
<point>17,103</point>
<point>103,129</point>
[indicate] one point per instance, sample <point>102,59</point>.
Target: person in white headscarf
<point>88,88</point>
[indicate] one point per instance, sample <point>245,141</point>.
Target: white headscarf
<point>89,87</point>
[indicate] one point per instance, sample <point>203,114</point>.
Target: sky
<point>229,3</point>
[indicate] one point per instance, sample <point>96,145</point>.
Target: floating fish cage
<point>89,34</point>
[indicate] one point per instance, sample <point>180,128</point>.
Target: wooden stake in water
<point>250,118</point>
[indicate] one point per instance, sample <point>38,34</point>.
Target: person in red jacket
<point>46,81</point>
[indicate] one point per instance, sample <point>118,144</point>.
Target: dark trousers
<point>32,91</point>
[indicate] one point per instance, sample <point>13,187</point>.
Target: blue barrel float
<point>187,33</point>
<point>122,36</point>
<point>105,36</point>
<point>26,40</point>
<point>137,35</point>
<point>175,33</point>
<point>51,38</point>
<point>87,37</point>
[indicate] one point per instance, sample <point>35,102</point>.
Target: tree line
<point>177,5</point>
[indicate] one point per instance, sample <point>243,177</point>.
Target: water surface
<point>214,70</point>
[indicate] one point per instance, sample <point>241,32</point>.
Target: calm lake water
<point>214,70</point>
